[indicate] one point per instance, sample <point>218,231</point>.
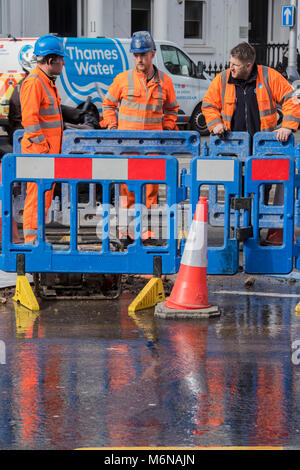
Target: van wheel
<point>198,122</point>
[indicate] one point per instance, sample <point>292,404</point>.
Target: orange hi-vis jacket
<point>272,88</point>
<point>142,105</point>
<point>41,114</point>
<point>43,132</point>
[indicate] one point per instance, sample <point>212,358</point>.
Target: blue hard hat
<point>142,41</point>
<point>49,44</point>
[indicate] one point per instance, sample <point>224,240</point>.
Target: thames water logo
<point>91,67</point>
<point>22,51</point>
<point>2,352</point>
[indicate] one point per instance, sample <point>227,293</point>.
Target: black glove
<point>71,115</point>
<point>90,120</point>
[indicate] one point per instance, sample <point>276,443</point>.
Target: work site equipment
<point>107,163</point>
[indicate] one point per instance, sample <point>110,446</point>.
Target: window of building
<point>63,17</point>
<point>193,19</point>
<point>140,15</point>
<point>176,62</point>
<point>81,17</point>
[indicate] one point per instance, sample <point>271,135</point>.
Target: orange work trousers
<point>127,197</point>
<point>31,210</point>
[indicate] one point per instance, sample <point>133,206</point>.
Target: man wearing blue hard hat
<point>42,119</point>
<point>146,100</point>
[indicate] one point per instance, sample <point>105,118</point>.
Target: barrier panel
<point>244,211</point>
<point>261,170</point>
<point>114,142</point>
<point>125,142</point>
<point>225,171</point>
<point>235,145</point>
<point>45,170</point>
<point>20,189</point>
<point>266,144</point>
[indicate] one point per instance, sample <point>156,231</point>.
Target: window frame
<point>178,53</point>
<point>202,40</point>
<point>149,10</point>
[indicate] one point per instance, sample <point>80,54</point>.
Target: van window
<point>176,62</point>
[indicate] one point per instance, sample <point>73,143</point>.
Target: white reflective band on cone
<point>195,250</point>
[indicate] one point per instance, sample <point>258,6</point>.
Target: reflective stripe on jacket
<point>271,88</point>
<point>41,114</point>
<point>142,105</point>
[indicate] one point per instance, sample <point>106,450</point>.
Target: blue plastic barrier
<point>19,197</point>
<point>227,172</point>
<point>17,138</point>
<point>135,142</point>
<point>236,145</point>
<point>266,144</point>
<point>114,142</point>
<point>266,170</point>
<point>44,170</point>
<point>117,142</point>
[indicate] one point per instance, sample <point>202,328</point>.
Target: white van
<point>92,64</point>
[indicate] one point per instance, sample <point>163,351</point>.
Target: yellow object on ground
<point>24,294</point>
<point>150,295</point>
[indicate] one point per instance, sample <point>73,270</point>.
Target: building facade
<point>206,29</point>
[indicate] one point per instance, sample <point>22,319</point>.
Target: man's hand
<point>283,134</point>
<point>219,129</point>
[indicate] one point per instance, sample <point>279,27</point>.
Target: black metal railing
<point>213,70</point>
<point>272,55</point>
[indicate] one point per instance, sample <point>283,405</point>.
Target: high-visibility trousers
<point>31,210</point>
<point>127,197</point>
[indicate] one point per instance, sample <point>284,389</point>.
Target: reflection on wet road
<point>90,375</point>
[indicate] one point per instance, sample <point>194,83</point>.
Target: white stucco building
<point>207,29</point>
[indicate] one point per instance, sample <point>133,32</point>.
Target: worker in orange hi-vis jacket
<point>244,98</point>
<point>146,100</point>
<point>41,119</point>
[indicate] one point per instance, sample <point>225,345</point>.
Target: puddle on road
<point>80,374</point>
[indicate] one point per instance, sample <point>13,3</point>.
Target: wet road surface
<point>88,374</point>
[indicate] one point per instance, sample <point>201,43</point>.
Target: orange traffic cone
<point>190,289</point>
